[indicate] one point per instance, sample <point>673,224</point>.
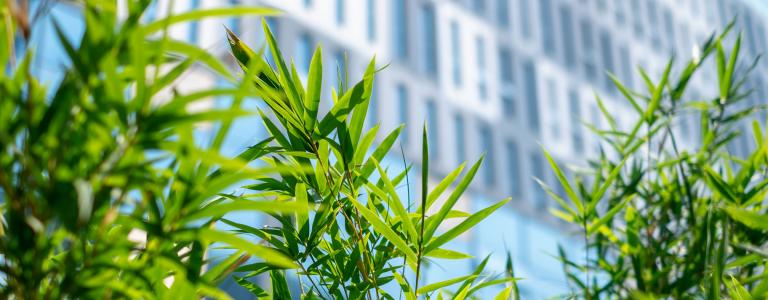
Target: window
<point>566,29</point>
<point>601,5</point>
<point>653,20</point>
<point>508,105</point>
<point>429,58</point>
<point>505,66</point>
<point>551,91</point>
<point>588,46</point>
<point>626,67</point>
<point>669,25</point>
<point>234,22</point>
<point>340,12</point>
<point>371,20</point>
<point>502,13</point>
<point>513,166</point>
<point>547,29</point>
<point>194,26</point>
<point>478,6</point>
<point>596,122</point>
<point>482,86</point>
<point>461,148</point>
<point>402,100</point>
<point>456,58</point>
<point>686,40</point>
<point>607,54</point>
<point>432,129</point>
<point>576,134</point>
<point>531,95</point>
<point>525,19</point>
<point>400,38</point>
<point>304,53</point>
<point>618,7</point>
<point>486,142</point>
<point>638,18</point>
<point>537,171</point>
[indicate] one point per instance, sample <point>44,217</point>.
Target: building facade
<point>494,77</point>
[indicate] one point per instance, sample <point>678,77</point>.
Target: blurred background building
<point>498,77</point>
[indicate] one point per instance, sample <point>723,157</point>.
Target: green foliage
<point>108,189</point>
<point>663,221</point>
<point>360,241</point>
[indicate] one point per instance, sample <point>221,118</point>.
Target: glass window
<point>626,67</point>
<point>400,38</point>
<point>429,38</point>
<point>402,100</point>
<point>371,20</point>
<point>607,54</point>
<point>482,86</point>
<point>340,12</point>
<point>304,53</point>
<point>525,19</point>
<point>588,46</point>
<point>234,22</point>
<point>595,119</point>
<point>537,171</point>
<point>194,26</point>
<point>638,26</point>
<point>576,134</point>
<point>432,129</point>
<point>547,28</point>
<point>502,13</point>
<point>531,95</point>
<point>506,67</point>
<point>669,25</point>
<point>618,7</point>
<point>461,148</point>
<point>551,91</point>
<point>601,5</point>
<point>566,29</point>
<point>478,6</point>
<point>513,166</point>
<point>508,105</point>
<point>486,142</point>
<point>456,51</point>
<point>653,20</point>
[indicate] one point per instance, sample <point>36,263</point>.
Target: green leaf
<point>269,255</point>
<point>504,294</point>
<point>451,201</point>
<point>314,85</point>
<point>444,283</point>
<point>396,205</point>
<point>564,182</point>
<point>467,224</point>
<point>384,229</point>
<point>725,84</point>
<point>440,188</point>
<point>749,218</point>
<point>360,109</point>
<point>447,254</point>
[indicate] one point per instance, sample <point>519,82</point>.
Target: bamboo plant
<point>660,220</point>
